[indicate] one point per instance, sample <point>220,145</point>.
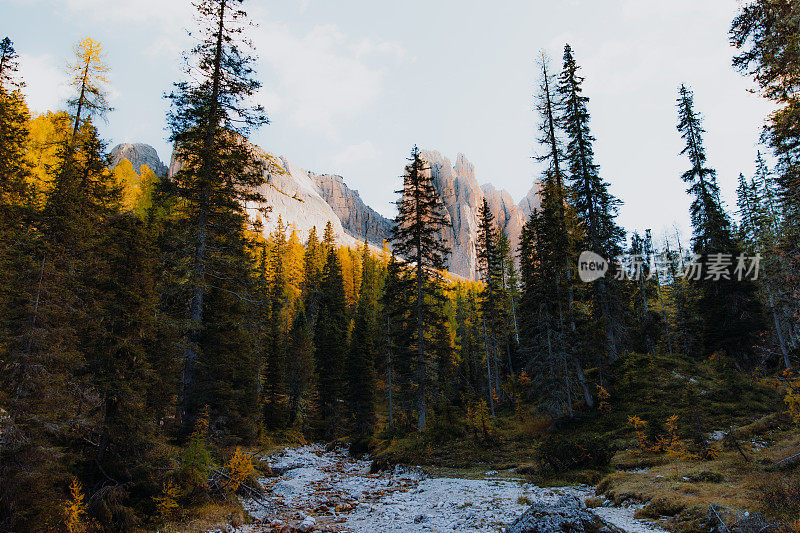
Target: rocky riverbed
<point>319,490</point>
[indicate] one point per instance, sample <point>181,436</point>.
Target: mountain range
<point>303,199</point>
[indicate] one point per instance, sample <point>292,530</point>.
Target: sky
<point>351,85</point>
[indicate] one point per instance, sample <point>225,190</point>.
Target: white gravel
<point>340,494</point>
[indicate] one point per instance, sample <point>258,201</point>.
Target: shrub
<point>167,501</point>
<point>478,419</point>
<point>75,508</point>
<point>559,453</point>
<point>196,465</point>
<point>196,460</point>
<point>240,469</point>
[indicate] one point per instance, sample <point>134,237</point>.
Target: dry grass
<point>206,517</point>
<point>682,489</point>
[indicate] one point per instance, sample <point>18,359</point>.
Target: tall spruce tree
<point>123,357</point>
<point>14,119</point>
<point>398,328</point>
<point>490,270</point>
<point>510,286</point>
<point>595,207</point>
<point>416,239</point>
<point>300,366</point>
<point>209,120</point>
<point>330,344</point>
<point>15,198</point>
<point>56,330</point>
<point>766,33</point>
<point>360,367</point>
<point>276,333</point>
<point>731,312</point>
<point>758,232</point>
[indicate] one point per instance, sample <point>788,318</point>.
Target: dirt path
<point>329,491</point>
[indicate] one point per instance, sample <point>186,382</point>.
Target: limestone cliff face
<point>532,200</point>
<point>463,197</point>
<point>304,199</point>
<point>357,218</point>
<point>138,154</point>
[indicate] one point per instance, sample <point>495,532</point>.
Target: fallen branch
<point>254,494</point>
<point>731,440</point>
<point>786,463</point>
<point>713,509</point>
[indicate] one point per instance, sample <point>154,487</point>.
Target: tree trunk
<point>80,102</point>
<point>567,386</point>
<point>587,393</point>
<point>198,294</point>
<point>389,370</point>
<point>488,367</point>
<point>778,329</point>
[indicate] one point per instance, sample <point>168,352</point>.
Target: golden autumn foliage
<point>673,444</point>
<point>478,418</point>
<point>240,469</point>
<point>201,426</point>
<point>89,74</point>
<point>75,508</point>
<point>137,188</point>
<point>48,132</point>
<point>792,396</point>
<point>603,395</point>
<point>639,426</point>
<point>167,501</point>
<point>293,263</point>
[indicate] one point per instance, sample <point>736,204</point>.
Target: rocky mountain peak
<point>138,154</point>
<point>305,199</point>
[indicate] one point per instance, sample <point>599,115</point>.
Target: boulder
<point>567,515</point>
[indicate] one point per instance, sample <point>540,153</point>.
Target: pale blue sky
<point>351,85</point>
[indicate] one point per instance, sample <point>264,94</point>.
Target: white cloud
<point>46,82</point>
<point>368,47</point>
<point>323,76</point>
<point>356,153</point>
<point>674,9</point>
<point>162,11</point>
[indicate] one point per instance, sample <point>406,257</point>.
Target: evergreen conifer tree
<point>209,120</point>
<point>330,344</point>
<point>729,307</point>
<point>360,368</point>
<point>490,269</point>
<point>594,205</point>
<point>420,218</point>
<point>300,366</point>
<point>14,132</point>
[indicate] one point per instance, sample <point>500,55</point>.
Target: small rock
<point>307,525</point>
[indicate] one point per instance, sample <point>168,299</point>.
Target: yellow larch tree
<point>89,76</point>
